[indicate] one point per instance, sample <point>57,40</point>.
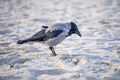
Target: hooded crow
<point>53,35</point>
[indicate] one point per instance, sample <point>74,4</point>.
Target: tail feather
<point>22,41</point>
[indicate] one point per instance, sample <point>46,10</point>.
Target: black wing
<point>53,34</point>
<point>39,36</point>
<point>43,36</point>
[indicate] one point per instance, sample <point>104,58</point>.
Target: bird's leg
<point>53,51</point>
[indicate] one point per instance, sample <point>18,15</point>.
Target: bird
<point>53,35</point>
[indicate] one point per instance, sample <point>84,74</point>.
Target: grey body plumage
<point>53,35</point>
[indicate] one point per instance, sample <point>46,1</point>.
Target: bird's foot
<point>53,54</point>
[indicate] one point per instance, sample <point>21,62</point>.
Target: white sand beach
<point>94,56</point>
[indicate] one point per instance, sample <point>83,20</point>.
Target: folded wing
<point>43,36</point>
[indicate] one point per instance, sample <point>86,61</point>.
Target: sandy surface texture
<point>95,56</point>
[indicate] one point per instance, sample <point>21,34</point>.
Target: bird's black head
<point>74,29</point>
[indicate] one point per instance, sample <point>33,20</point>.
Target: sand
<point>95,56</point>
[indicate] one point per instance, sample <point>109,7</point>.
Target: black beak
<point>78,33</point>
